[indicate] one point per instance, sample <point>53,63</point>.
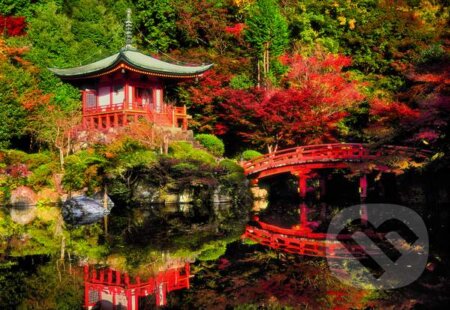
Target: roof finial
<point>128,30</point>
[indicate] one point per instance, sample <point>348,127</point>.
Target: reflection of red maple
<point>429,92</point>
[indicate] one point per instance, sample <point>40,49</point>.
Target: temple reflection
<point>107,288</point>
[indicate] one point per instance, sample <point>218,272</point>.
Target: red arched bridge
<point>300,161</point>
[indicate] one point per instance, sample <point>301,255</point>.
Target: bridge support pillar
<point>302,176</point>
<point>303,215</point>
<point>363,187</point>
<point>363,195</point>
<point>304,222</point>
<point>254,182</point>
<point>302,186</point>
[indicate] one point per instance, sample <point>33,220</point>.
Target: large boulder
<point>82,210</point>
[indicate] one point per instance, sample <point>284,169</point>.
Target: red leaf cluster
<point>235,30</point>
<point>12,25</point>
<point>17,171</point>
<point>392,111</point>
<point>35,98</point>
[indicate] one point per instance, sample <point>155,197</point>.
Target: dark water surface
<point>187,257</point>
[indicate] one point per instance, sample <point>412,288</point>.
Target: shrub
<point>231,166</point>
<point>250,154</point>
<point>213,144</point>
<point>42,175</point>
<point>81,169</point>
<point>185,151</point>
<point>241,81</point>
<point>15,157</point>
<point>36,160</point>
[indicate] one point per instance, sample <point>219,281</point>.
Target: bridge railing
<point>323,153</point>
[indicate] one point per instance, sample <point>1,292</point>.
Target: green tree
<point>157,20</point>
<point>267,32</point>
<point>16,80</point>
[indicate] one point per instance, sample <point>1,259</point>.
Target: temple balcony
<point>104,114</point>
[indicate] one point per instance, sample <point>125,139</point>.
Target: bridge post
<point>254,182</point>
<point>363,187</point>
<point>302,176</point>
<point>363,195</point>
<point>303,215</point>
<point>302,186</point>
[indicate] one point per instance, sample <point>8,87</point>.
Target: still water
<point>182,257</point>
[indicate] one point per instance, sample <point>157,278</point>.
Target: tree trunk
<point>258,74</point>
<point>61,157</point>
<point>105,197</point>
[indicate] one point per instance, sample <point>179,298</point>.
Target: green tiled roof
<point>134,59</point>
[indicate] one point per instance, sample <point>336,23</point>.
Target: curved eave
<point>132,61</point>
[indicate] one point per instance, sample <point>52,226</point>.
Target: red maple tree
<point>314,97</point>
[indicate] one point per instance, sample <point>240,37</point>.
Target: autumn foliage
<point>12,25</point>
<point>314,97</point>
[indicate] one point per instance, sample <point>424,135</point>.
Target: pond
<point>185,256</point>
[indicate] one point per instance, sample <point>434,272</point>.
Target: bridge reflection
<point>304,239</point>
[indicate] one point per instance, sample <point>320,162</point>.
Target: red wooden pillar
<point>302,186</point>
<point>129,298</point>
<point>187,268</point>
<point>116,120</point>
<point>174,120</point>
<point>363,195</point>
<point>303,215</point>
<point>161,289</point>
<point>114,292</point>
<point>254,182</point>
<point>363,187</point>
<point>118,276</point>
<point>108,122</point>
<point>363,214</point>
<point>86,286</point>
<point>302,176</point>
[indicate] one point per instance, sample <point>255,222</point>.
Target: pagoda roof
<point>132,60</point>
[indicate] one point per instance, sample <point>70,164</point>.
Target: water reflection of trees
<point>139,241</point>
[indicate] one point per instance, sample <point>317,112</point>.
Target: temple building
<point>129,86</point>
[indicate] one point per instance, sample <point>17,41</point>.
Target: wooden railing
<point>134,106</point>
<point>307,243</point>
